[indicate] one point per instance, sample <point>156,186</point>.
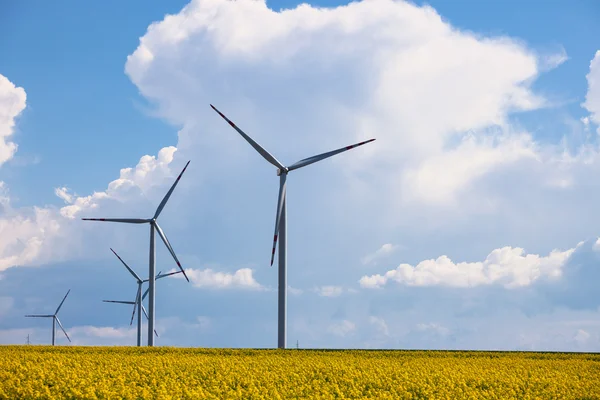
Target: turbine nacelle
<point>282,171</point>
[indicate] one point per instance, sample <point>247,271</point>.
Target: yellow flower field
<point>47,372</point>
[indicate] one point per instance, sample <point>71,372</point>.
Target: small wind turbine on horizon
<point>139,299</point>
<point>280,218</point>
<point>54,319</point>
<point>152,264</point>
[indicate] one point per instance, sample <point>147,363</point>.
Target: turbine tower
<point>152,267</point>
<point>281,218</point>
<point>138,299</point>
<point>54,319</point>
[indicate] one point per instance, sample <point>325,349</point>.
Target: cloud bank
<point>506,266</point>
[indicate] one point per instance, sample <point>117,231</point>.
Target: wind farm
<point>154,227</point>
<point>434,232</point>
<point>139,298</point>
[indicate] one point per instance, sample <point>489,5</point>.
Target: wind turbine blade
<point>319,157</point>
<point>146,314</point>
<point>280,202</point>
<point>63,329</point>
<point>169,274</point>
<point>267,156</point>
<point>166,198</point>
<point>166,241</point>
<point>118,301</point>
<point>61,303</point>
<point>39,316</point>
<point>135,304</point>
<point>127,266</point>
<point>125,220</point>
<point>145,294</point>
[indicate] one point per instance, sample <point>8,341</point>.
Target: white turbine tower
<point>138,303</point>
<point>280,218</point>
<point>152,267</point>
<point>54,319</point>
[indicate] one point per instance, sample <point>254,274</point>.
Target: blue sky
<point>483,148</point>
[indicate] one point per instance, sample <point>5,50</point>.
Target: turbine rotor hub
<point>279,171</point>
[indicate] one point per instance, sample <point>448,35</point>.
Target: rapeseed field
<point>45,372</point>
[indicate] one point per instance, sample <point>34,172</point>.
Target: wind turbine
<point>138,299</point>
<point>280,218</point>
<point>152,267</point>
<point>54,319</point>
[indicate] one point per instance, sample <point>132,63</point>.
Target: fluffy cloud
<point>36,235</point>
<point>592,99</point>
<point>131,184</point>
<point>506,266</point>
<point>389,67</point>
<point>27,235</point>
<point>439,178</point>
<point>207,278</point>
<point>12,103</point>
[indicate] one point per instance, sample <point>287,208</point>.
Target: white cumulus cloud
<point>592,99</point>
<point>149,172</point>
<point>377,68</point>
<point>12,103</point>
<point>506,266</point>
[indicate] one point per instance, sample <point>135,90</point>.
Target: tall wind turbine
<point>54,319</point>
<point>138,299</point>
<point>280,218</point>
<point>152,267</point>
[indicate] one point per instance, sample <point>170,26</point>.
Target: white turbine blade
<point>145,294</point>
<point>166,198</point>
<point>126,266</point>
<point>61,303</point>
<point>319,157</point>
<point>146,314</point>
<point>267,156</point>
<point>169,274</point>
<point>135,304</point>
<point>118,301</point>
<point>166,242</point>
<point>280,202</point>
<point>125,220</point>
<point>39,316</point>
<point>63,329</point>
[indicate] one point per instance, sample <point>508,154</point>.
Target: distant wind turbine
<point>280,218</point>
<point>138,299</point>
<point>54,319</point>
<point>152,267</point>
